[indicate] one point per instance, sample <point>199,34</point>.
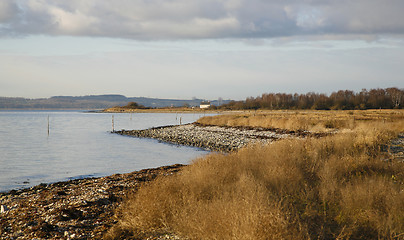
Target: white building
<point>204,105</point>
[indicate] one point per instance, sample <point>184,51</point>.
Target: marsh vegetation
<point>342,186</point>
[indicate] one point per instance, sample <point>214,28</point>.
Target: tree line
<point>388,98</point>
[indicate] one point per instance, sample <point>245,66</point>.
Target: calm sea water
<point>81,145</point>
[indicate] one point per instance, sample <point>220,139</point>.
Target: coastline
<point>86,208</point>
<point>216,138</point>
<point>157,110</point>
<point>74,209</point>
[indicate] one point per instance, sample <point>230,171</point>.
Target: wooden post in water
<point>48,125</point>
<point>113,125</point>
<point>180,120</point>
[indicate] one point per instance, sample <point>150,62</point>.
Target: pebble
<point>3,209</point>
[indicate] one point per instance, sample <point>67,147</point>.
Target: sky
<point>209,49</point>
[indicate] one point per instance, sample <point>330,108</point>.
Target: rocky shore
<point>76,209</point>
<point>85,208</point>
<point>215,138</point>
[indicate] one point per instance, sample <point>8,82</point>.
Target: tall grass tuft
<point>336,187</point>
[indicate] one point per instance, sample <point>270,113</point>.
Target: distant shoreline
<point>113,110</point>
<point>158,110</point>
<point>94,102</point>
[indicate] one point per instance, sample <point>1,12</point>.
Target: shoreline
<point>80,208</point>
<point>85,208</point>
<point>158,110</point>
<point>216,138</point>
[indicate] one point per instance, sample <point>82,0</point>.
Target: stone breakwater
<point>222,139</point>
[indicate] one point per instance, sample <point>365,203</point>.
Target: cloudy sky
<point>199,48</point>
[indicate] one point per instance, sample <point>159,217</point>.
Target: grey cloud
<point>8,13</point>
<point>8,10</point>
<point>370,17</point>
<point>179,19</point>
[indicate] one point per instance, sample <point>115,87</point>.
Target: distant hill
<point>92,102</point>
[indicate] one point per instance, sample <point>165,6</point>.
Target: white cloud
<point>72,22</point>
<point>184,19</point>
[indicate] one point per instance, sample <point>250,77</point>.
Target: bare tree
<point>396,96</point>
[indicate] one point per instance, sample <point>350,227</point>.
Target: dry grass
<point>316,121</point>
<point>336,187</point>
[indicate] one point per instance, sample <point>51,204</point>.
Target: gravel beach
<point>76,209</point>
<point>215,138</point>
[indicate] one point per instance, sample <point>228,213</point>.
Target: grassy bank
<point>316,121</point>
<point>341,186</point>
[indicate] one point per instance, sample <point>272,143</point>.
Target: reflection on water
<point>80,145</point>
